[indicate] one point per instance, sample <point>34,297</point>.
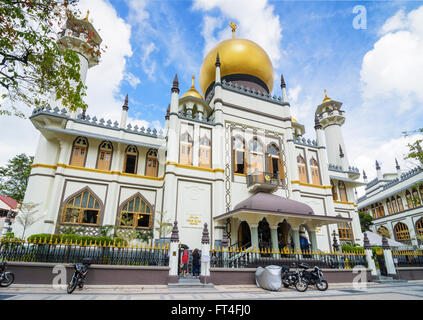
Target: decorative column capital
<point>175,233</point>
<point>205,239</point>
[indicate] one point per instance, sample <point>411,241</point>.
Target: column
<point>389,261</point>
<point>205,255</point>
<point>254,236</point>
<point>369,256</point>
<point>173,254</point>
<point>275,243</point>
<point>313,240</point>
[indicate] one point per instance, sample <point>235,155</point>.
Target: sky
<point>367,54</point>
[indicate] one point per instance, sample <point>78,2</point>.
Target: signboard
<point>193,221</point>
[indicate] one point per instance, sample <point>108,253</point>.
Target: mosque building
<point>230,155</point>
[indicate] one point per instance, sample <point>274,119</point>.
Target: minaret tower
<point>79,35</point>
<point>331,118</point>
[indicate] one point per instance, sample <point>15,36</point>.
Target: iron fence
<point>101,253</point>
<point>251,258</point>
<point>408,258</point>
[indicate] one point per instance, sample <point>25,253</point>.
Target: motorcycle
<point>6,277</point>
<point>293,279</point>
<point>78,277</point>
<point>314,277</point>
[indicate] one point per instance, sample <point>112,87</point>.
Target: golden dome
<point>237,56</point>
<point>192,92</point>
<point>294,120</point>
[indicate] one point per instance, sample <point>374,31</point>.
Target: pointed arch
<point>185,149</point>
<point>383,231</point>
<point>302,169</point>
<point>419,227</point>
<point>131,159</point>
<point>345,231</point>
<point>343,191</point>
<point>151,163</point>
<point>83,207</point>
<point>334,190</point>
<point>238,155</point>
<point>401,232</point>
<point>275,163</point>
<point>104,155</point>
<point>79,152</point>
<point>205,152</point>
<point>135,212</point>
<point>315,172</point>
<point>255,156</point>
<point>399,204</point>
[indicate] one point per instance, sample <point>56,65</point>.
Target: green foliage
<point>144,235</point>
<point>348,247</point>
<point>164,226</point>
<point>32,65</point>
<point>27,216</point>
<point>10,235</point>
<point>416,148</point>
<point>14,176</point>
<point>107,231</point>
<point>365,221</point>
<point>76,238</point>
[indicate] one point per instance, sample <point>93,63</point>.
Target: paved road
<point>412,290</point>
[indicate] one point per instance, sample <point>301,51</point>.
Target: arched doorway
<point>264,235</point>
<point>244,235</point>
<point>284,236</point>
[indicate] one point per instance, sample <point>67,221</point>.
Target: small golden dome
<point>294,120</point>
<point>326,99</point>
<point>237,56</point>
<point>192,92</point>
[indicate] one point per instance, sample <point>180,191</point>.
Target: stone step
<point>190,283</point>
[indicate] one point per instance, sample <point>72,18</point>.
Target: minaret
<point>283,88</point>
<point>80,36</point>
<point>364,177</point>
<point>173,129</point>
<point>124,115</point>
<point>320,135</point>
<point>397,166</point>
<point>331,119</point>
<point>218,116</point>
<point>378,171</point>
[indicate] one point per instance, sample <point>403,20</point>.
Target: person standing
<point>195,263</point>
<point>184,262</point>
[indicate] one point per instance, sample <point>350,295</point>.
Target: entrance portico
<point>267,221</point>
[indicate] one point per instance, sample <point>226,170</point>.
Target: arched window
<point>409,199</point>
<point>419,227</point>
<point>401,232</point>
<point>302,170</point>
<point>104,158</point>
<point>239,155</point>
<point>416,198</point>
<point>314,168</point>
<point>205,152</point>
<point>388,205</point>
<point>334,191</point>
<point>383,231</point>
<point>152,163</point>
<point>345,231</point>
<point>394,205</point>
<point>79,152</point>
<point>343,191</point>
<point>83,208</point>
<point>256,157</point>
<point>131,159</point>
<point>185,151</point>
<point>380,211</point>
<point>136,213</point>
<point>399,204</point>
<point>275,162</point>
<point>374,214</point>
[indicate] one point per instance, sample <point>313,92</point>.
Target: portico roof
<point>271,205</point>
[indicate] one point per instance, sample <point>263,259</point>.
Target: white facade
<point>204,184</point>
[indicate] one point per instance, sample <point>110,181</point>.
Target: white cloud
<point>133,80</point>
<point>148,64</point>
<point>256,21</point>
<point>393,70</point>
<point>293,93</point>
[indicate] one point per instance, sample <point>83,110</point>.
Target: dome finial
<point>192,84</point>
<point>326,99</point>
<point>234,27</point>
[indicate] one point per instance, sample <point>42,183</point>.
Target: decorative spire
<point>385,243</point>
<point>225,240</point>
<point>283,84</point>
<point>217,60</point>
<point>175,87</point>
<point>234,27</point>
<point>341,153</point>
<point>377,165</point>
<point>335,242</point>
<point>364,175</point>
<point>326,99</point>
<point>366,242</point>
<point>125,104</point>
<point>167,112</point>
<point>205,238</point>
<point>86,18</point>
<point>175,233</point>
<point>397,165</point>
<point>317,124</point>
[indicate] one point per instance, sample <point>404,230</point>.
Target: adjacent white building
<point>231,157</point>
<point>395,201</point>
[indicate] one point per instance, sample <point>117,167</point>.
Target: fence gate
<point>381,261</point>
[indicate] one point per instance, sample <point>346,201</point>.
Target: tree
<point>32,66</point>
<point>365,221</point>
<point>14,176</point>
<point>164,226</point>
<point>416,148</point>
<point>26,216</point>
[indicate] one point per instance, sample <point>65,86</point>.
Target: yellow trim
<point>193,167</point>
<point>343,202</point>
<point>62,165</point>
<point>240,174</point>
<point>310,185</point>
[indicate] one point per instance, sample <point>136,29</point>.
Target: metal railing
<point>263,178</point>
<point>68,252</point>
<point>408,258</point>
<point>252,258</point>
